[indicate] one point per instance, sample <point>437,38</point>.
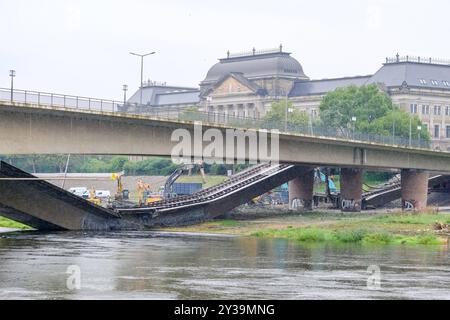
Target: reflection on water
<point>186,266</point>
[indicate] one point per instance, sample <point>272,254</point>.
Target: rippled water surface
<point>188,266</point>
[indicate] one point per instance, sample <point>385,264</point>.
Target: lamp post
<point>125,88</point>
<point>354,124</point>
<point>287,111</point>
<point>419,129</point>
<point>393,130</point>
<point>142,70</point>
<point>410,131</point>
<point>208,103</point>
<point>12,74</point>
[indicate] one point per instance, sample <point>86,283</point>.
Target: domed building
<point>244,84</point>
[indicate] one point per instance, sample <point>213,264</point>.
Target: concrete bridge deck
<point>44,206</point>
<point>34,129</point>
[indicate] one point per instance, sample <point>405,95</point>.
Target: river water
<point>143,265</point>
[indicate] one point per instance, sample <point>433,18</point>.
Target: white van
<point>78,191</point>
<point>102,194</point>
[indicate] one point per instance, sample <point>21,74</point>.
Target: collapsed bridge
<point>44,206</point>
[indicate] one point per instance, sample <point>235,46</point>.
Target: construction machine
<point>93,198</point>
<point>121,193</point>
<point>168,190</point>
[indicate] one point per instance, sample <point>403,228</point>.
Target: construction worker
<point>140,188</point>
<point>147,191</point>
<point>92,193</point>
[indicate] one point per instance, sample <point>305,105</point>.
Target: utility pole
<point>125,88</point>
<point>142,70</point>
<point>419,129</point>
<point>410,131</point>
<point>286,114</point>
<point>354,124</point>
<point>12,74</point>
<point>393,130</point>
<point>65,171</point>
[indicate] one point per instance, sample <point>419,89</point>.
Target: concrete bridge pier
<point>414,189</point>
<point>351,189</point>
<point>301,190</point>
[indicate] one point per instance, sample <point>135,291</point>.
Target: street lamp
<point>125,88</point>
<point>393,130</point>
<point>354,124</point>
<point>410,131</point>
<point>208,103</point>
<point>287,111</point>
<point>419,129</point>
<point>142,70</point>
<point>311,115</point>
<point>12,74</point>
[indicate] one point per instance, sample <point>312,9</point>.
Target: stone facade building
<point>159,97</point>
<point>246,85</point>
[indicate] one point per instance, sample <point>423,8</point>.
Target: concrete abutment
<point>414,189</point>
<point>301,190</point>
<point>351,190</point>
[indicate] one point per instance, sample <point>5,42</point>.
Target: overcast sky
<point>82,47</point>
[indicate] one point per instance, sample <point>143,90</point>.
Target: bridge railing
<point>59,100</point>
<point>174,113</point>
<point>311,129</point>
<point>257,123</point>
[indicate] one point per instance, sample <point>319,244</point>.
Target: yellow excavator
<point>145,195</point>
<point>92,197</point>
<point>118,177</point>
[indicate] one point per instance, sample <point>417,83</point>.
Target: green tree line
<point>107,164</point>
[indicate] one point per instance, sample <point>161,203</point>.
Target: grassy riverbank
<point>363,228</point>
<point>6,223</point>
<point>322,227</point>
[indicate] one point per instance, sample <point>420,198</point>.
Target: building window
<point>434,82</point>
<point>425,109</point>
<point>447,132</point>
<point>436,131</point>
<point>446,83</point>
<point>437,110</point>
<point>447,111</point>
<point>423,81</point>
<point>413,108</point>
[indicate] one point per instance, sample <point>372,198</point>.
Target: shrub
<point>312,235</point>
<point>352,236</point>
<point>378,237</point>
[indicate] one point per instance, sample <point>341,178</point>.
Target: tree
<point>366,103</point>
<point>153,166</point>
<point>397,122</point>
<point>191,113</point>
<point>118,162</point>
<point>275,118</point>
<point>374,112</point>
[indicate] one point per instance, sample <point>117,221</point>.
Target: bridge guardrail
<point>86,103</point>
<point>59,100</point>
